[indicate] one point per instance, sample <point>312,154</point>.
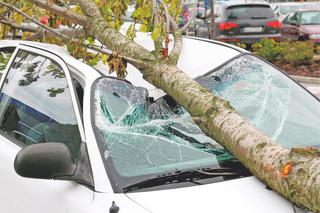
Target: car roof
<point>306,10</point>
<point>240,3</point>
<point>51,47</point>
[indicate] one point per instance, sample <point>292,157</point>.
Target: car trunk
<point>249,20</point>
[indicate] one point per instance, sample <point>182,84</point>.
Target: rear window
<point>249,12</point>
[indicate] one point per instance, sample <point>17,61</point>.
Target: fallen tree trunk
<point>294,173</point>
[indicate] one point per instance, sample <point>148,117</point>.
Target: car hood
<point>311,29</point>
<point>242,195</point>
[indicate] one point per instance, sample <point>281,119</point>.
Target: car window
<point>294,20</point>
<point>289,8</point>
<point>35,103</point>
<point>5,54</point>
<point>286,20</point>
<point>310,18</point>
<point>249,12</point>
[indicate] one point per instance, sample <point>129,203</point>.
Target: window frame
<point>9,62</point>
<point>56,58</point>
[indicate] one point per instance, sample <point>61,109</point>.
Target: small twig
<point>4,13</point>
<point>137,63</point>
<point>20,27</point>
<point>167,15</point>
<point>71,16</point>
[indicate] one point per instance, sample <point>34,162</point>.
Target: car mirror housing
<point>45,161</point>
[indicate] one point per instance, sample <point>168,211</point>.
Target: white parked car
<point>75,140</point>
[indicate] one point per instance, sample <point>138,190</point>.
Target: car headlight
<point>314,36</point>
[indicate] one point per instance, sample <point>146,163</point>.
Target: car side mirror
<point>45,161</point>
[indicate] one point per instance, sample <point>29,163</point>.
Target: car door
<point>291,28</point>
<point>38,105</point>
<point>285,29</point>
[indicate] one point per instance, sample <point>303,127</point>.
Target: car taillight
<point>274,24</point>
<point>227,25</point>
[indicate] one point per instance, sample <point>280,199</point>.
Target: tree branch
<point>113,40</point>
<point>38,33</point>
<point>78,33</point>
<point>167,15</point>
<point>177,46</point>
<point>177,35</point>
<point>34,21</point>
<point>19,27</point>
<point>66,34</point>
<point>156,22</point>
<point>71,16</point>
<point>137,63</point>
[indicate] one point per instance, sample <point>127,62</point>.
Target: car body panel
<point>86,75</point>
<point>31,195</point>
<point>103,202</point>
<point>228,197</point>
<point>34,195</point>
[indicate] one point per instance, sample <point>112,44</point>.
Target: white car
<point>75,140</point>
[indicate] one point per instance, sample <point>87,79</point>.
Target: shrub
<point>296,53</point>
<point>267,49</point>
<point>317,49</point>
<point>241,45</point>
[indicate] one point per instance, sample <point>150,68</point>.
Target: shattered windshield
<point>139,137</point>
<point>269,100</point>
<point>145,137</point>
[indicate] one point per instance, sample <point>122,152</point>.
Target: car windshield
<point>249,12</point>
<point>310,18</point>
<point>139,137</point>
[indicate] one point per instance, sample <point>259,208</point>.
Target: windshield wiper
<point>180,176</point>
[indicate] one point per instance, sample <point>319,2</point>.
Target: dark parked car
<point>302,25</point>
<point>243,23</point>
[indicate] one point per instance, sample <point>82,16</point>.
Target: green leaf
<point>156,33</point>
<point>90,40</point>
<point>143,28</point>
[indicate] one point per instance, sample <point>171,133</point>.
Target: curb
<point>309,80</point>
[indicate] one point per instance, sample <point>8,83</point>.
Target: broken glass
<point>142,137</point>
<point>269,100</point>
